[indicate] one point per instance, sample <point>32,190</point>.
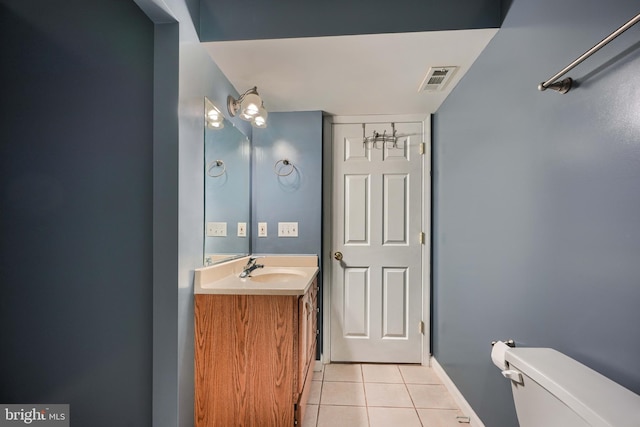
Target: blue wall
<point>76,167</point>
<point>536,202</point>
<point>93,156</point>
<point>234,20</point>
<point>296,197</point>
<point>199,77</point>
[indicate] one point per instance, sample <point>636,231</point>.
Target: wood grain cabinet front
<point>254,357</point>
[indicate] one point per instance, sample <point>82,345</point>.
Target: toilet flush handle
<point>513,375</point>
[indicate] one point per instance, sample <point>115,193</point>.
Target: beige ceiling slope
<point>350,75</point>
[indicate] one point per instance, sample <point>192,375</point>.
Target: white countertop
<point>281,275</point>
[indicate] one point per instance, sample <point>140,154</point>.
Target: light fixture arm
<point>249,107</point>
<point>233,105</point>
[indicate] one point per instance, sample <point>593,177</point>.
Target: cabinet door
<point>245,355</point>
<point>306,347</point>
<point>303,341</point>
<point>312,322</point>
<point>307,333</point>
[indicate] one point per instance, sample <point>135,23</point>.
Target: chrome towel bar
<point>564,85</point>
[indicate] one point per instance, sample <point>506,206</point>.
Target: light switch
<point>262,229</point>
<point>242,229</point>
<point>287,229</point>
<point>216,229</point>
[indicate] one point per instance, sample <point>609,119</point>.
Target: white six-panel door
<point>376,286</point>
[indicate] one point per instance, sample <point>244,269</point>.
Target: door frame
<point>327,222</point>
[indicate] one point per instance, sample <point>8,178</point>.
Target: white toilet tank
<point>554,390</point>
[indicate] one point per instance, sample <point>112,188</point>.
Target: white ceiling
<point>349,75</point>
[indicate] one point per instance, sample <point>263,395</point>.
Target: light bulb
<point>250,105</point>
<point>260,120</point>
<point>213,115</point>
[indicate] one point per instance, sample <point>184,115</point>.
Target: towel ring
<point>216,164</point>
<point>284,165</point>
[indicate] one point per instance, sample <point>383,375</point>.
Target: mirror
<point>226,188</point>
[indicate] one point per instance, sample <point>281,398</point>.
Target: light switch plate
<point>216,229</point>
<point>242,229</point>
<point>287,229</point>
<point>262,229</point>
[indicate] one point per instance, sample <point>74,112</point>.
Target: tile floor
<point>355,395</point>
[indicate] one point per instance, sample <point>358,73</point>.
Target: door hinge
<point>422,237</point>
<point>422,147</point>
<point>421,327</point>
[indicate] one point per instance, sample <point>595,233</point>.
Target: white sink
<point>281,275</point>
<point>276,275</point>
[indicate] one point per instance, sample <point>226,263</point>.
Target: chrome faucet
<point>251,265</point>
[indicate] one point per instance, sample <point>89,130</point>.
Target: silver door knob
<point>338,256</point>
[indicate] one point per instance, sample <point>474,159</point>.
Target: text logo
<point>36,415</point>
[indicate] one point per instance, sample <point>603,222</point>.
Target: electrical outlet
<point>262,229</point>
<point>287,229</point>
<point>242,229</point>
<point>216,229</point>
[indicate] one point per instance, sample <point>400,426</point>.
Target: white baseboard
<point>455,393</point>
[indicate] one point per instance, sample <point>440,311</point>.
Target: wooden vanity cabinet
<point>254,357</point>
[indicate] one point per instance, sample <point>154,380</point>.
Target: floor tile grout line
<point>410,397</point>
<point>364,391</point>
<point>319,399</point>
<point>402,376</point>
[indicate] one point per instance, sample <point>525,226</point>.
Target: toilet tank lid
<point>597,399</point>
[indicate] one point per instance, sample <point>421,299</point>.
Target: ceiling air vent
<point>437,78</point>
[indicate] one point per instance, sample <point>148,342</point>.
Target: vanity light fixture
<point>212,116</point>
<point>249,107</point>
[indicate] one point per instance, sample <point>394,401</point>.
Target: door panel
<point>354,149</point>
<point>356,204</point>
<point>395,205</point>
<point>356,306</point>
<point>377,219</point>
<point>394,303</point>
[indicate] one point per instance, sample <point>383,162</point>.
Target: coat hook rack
<point>565,85</point>
<point>376,137</point>
<point>381,137</point>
